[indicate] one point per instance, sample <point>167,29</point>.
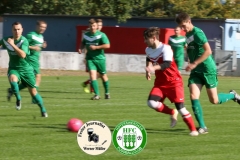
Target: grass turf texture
<point>26,135</point>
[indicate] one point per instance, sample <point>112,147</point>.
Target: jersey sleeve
<point>105,39</point>
<point>29,37</point>
<point>200,38</point>
<point>167,53</point>
<point>25,47</point>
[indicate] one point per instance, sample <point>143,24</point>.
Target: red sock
<point>165,109</point>
<point>189,122</point>
<point>87,81</point>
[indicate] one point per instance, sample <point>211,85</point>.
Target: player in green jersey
<point>203,70</point>
<point>95,42</point>
<point>85,83</point>
<point>36,43</point>
<point>19,68</point>
<point>178,43</point>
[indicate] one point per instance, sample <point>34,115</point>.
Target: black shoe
<point>9,94</point>
<point>107,96</point>
<point>18,105</point>
<point>95,97</point>
<point>236,96</point>
<point>44,114</point>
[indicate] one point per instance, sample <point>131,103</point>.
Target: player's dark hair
<point>41,22</point>
<point>16,23</point>
<point>150,32</point>
<point>98,20</point>
<point>92,20</point>
<point>182,17</point>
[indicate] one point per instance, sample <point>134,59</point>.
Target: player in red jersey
<point>168,82</point>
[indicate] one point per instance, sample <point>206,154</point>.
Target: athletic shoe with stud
<point>236,96</point>
<point>174,119</point>
<point>85,88</point>
<point>107,96</point>
<point>9,94</point>
<point>44,114</point>
<point>193,133</point>
<point>96,97</point>
<point>18,105</point>
<point>202,130</point>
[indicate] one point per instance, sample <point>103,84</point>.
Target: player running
<point>168,82</point>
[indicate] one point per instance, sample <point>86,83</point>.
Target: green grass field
<point>26,135</point>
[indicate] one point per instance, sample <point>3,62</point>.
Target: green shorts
<point>179,63</point>
<point>36,67</point>
<point>208,79</point>
<point>98,65</point>
<point>36,70</point>
<point>26,78</point>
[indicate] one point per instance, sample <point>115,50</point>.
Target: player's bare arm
<point>103,46</point>
<point>19,52</point>
<point>148,74</point>
<point>36,48</point>
<point>82,48</point>
<point>44,45</point>
<point>207,52</point>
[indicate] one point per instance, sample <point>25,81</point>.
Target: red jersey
<point>170,77</point>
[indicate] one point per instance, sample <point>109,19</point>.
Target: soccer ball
<point>74,124</point>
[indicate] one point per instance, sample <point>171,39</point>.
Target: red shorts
<point>174,94</point>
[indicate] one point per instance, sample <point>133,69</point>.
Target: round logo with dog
<point>129,137</point>
<point>94,137</point>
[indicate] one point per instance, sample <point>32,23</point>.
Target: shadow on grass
<point>163,131</point>
<point>56,127</point>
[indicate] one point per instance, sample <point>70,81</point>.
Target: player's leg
<point>93,75</point>
<point>211,83</point>
<point>29,80</point>
<point>195,84</point>
<point>155,101</point>
<point>176,95</point>
<point>39,101</point>
<point>14,77</point>
<point>101,66</point>
<point>86,83</point>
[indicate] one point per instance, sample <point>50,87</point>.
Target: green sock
<point>15,90</point>
<point>95,86</point>
<point>106,86</point>
<point>197,109</point>
<point>21,86</point>
<point>224,97</point>
<point>39,102</point>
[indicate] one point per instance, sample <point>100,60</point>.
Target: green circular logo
<point>129,137</point>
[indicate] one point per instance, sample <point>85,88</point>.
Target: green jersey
<point>34,39</point>
<point>96,39</point>
<point>16,62</point>
<point>177,44</point>
<point>195,40</point>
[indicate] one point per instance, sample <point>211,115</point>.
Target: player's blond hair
<point>150,32</point>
